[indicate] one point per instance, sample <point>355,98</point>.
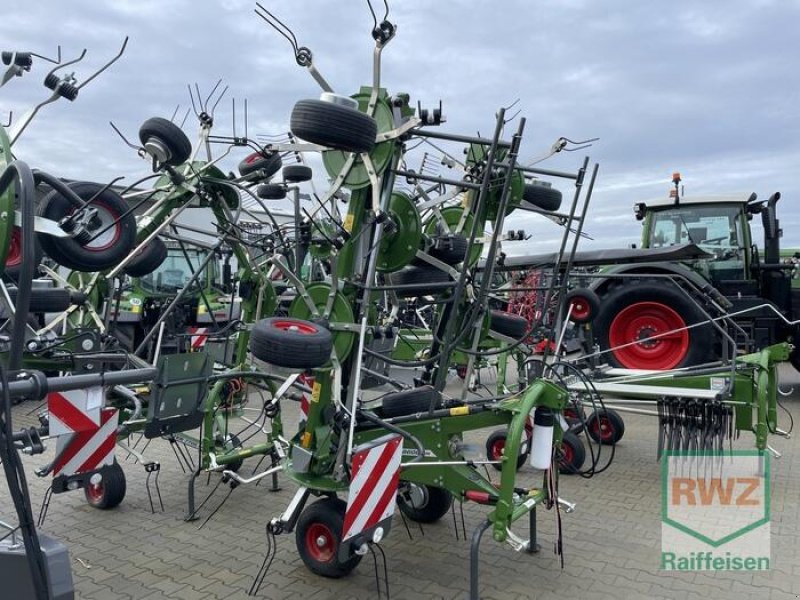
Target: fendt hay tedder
<point>331,308</point>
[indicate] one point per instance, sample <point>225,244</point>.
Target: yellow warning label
<point>459,411</point>
<point>136,308</point>
<point>348,222</point>
<point>316,391</point>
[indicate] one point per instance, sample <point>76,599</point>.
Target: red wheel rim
<point>580,308</point>
<point>603,429</point>
<point>14,256</point>
<point>95,492</point>
<point>640,321</point>
<point>567,454</point>
<point>571,414</point>
<point>255,156</point>
<point>297,326</point>
<point>320,542</point>
<point>497,448</point>
<point>109,232</point>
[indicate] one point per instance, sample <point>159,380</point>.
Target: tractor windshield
<point>175,273</point>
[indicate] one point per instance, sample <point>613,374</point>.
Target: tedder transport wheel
<point>271,191</point>
<point>583,305</point>
<point>292,343</point>
<point>605,426</point>
<point>296,173</point>
<point>451,249</point>
<point>318,534</point>
<point>333,125</point>
<point>110,236</point>
<point>423,503</point>
<point>417,275</point>
<point>148,259</point>
<point>14,256</point>
<point>106,488</point>
<point>496,446</point>
<point>540,194</point>
<point>166,141</point>
<point>640,309</point>
<point>409,402</point>
<point>571,455</point>
<point>508,324</point>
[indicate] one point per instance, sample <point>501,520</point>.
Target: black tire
<point>585,305</point>
<point>333,125</point>
<point>45,300</point>
<point>14,257</point>
<point>292,343</point>
<point>660,306</point>
<point>495,446</point>
<point>452,249</point>
<point>410,402</point>
<point>605,426</point>
<point>296,173</point>
<point>148,259</point>
<point>423,503</point>
<point>170,136</point>
<point>318,535</point>
<point>271,191</point>
<point>418,275</point>
<point>110,491</point>
<point>571,455</point>
<point>513,326</point>
<point>115,234</point>
<point>542,196</point>
<point>269,163</point>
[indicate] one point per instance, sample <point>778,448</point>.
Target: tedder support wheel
<point>508,324</point>
<point>571,455</point>
<point>409,402</point>
<point>423,503</point>
<point>333,125</point>
<point>268,163</point>
<point>296,173</point>
<point>605,426</point>
<point>106,488</point>
<point>541,195</point>
<point>417,275</point>
<point>108,238</point>
<point>318,535</point>
<point>640,309</point>
<point>271,191</point>
<point>166,141</point>
<point>292,343</point>
<point>148,259</point>
<point>496,446</point>
<point>583,305</point>
<point>451,249</point>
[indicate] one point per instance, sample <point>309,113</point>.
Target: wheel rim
<point>320,542</point>
<point>95,492</point>
<point>567,455</point>
<point>580,308</point>
<point>640,321</point>
<point>109,231</point>
<point>14,257</point>
<point>498,448</point>
<point>296,326</point>
<point>602,428</point>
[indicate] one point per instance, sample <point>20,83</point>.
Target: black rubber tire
<point>324,518</point>
<point>572,454</point>
<point>333,125</point>
<point>91,257</point>
<point>631,291</point>
<point>420,274</point>
<point>271,191</point>
<point>452,250</point>
<point>46,300</point>
<point>585,305</point>
<point>508,324</point>
<point>257,161</point>
<point>495,444</point>
<point>111,490</point>
<point>14,258</point>
<point>542,196</point>
<point>291,343</point>
<point>410,402</point>
<point>296,173</point>
<point>435,503</point>
<point>605,426</point>
<point>148,259</point>
<point>171,136</point>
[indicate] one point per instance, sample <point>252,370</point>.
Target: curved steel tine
<point>66,64</point>
<point>50,60</point>
<point>108,64</point>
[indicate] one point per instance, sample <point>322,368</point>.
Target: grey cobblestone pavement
<point>612,540</point>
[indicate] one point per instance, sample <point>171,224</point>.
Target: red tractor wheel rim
<point>297,326</point>
<point>95,492</point>
<point>643,320</point>
<point>567,454</point>
<point>580,308</point>
<point>498,447</point>
<point>320,542</point>
<point>603,429</point>
<point>14,256</point>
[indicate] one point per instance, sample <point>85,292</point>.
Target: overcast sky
<point>711,89</point>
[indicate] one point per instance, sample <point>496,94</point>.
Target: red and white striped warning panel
<point>373,488</point>
<point>86,432</point>
<point>199,337</point>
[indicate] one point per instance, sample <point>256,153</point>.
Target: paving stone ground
<point>612,540</point>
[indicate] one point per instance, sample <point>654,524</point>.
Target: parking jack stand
<point>191,511</point>
<point>474,558</point>
<point>533,546</point>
